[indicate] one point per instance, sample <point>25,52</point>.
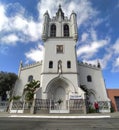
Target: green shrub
<point>91,110</point>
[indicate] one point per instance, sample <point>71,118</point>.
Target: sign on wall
<point>75,96</point>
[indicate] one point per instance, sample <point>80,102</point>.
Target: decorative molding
<point>60,74</point>
<point>31,65</point>
<point>88,65</point>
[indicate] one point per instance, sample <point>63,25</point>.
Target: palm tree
<point>30,89</point>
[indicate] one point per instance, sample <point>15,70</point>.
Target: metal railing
<point>72,105</point>
<point>104,105</point>
<point>4,106</point>
<point>76,104</point>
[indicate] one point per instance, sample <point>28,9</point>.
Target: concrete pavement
<point>67,116</point>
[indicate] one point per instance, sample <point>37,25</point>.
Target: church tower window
<point>50,64</point>
<point>53,30</point>
<point>30,78</point>
<point>66,30</point>
<point>89,78</point>
<point>68,64</point>
<point>59,48</point>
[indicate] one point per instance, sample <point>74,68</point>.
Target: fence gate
<point>59,106</point>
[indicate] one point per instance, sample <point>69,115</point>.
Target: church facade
<point>63,78</point>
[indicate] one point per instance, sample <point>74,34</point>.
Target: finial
<point>60,13</point>
<point>21,62</point>
<point>46,12</point>
<point>59,5</point>
<point>72,11</point>
<point>98,64</point>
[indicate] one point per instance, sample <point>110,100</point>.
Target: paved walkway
<point>67,116</point>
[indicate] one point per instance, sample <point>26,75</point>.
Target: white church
<point>62,77</point>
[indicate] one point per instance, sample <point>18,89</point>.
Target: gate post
<point>33,105</point>
<point>10,106</point>
<point>50,106</point>
<point>85,107</point>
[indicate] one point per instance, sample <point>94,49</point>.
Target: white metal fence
<point>51,106</point>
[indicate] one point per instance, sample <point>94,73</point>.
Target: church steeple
<point>60,14</point>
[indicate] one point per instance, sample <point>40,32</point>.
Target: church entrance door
<point>59,104</point>
<point>57,92</point>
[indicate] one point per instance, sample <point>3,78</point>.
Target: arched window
<point>68,64</point>
<point>66,30</point>
<point>30,78</point>
<point>53,30</point>
<point>50,64</point>
<point>89,78</point>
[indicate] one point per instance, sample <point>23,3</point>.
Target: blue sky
<point>98,28</point>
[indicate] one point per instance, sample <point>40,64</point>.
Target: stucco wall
<point>97,83</point>
<point>25,72</point>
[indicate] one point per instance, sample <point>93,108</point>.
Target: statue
<point>59,66</point>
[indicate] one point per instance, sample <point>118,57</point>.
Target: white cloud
<point>84,37</point>
<point>104,61</point>
<point>34,30</point>
<point>116,46</point>
<point>116,65</point>
<point>3,18</point>
<point>91,44</point>
<point>18,24</point>
<point>35,54</point>
<point>10,39</point>
<point>90,49</point>
<point>117,62</point>
<point>93,35</point>
<point>49,5</point>
<point>83,8</point>
<point>25,29</point>
<point>115,50</point>
<point>97,21</point>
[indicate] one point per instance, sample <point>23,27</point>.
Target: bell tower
<point>59,69</point>
<point>60,26</point>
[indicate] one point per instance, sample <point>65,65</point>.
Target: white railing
<point>104,106</point>
<point>47,105</point>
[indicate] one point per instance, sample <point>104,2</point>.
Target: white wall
<point>34,70</point>
<point>97,83</point>
<point>51,54</point>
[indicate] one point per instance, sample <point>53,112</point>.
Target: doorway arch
<point>59,83</point>
<point>58,92</point>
